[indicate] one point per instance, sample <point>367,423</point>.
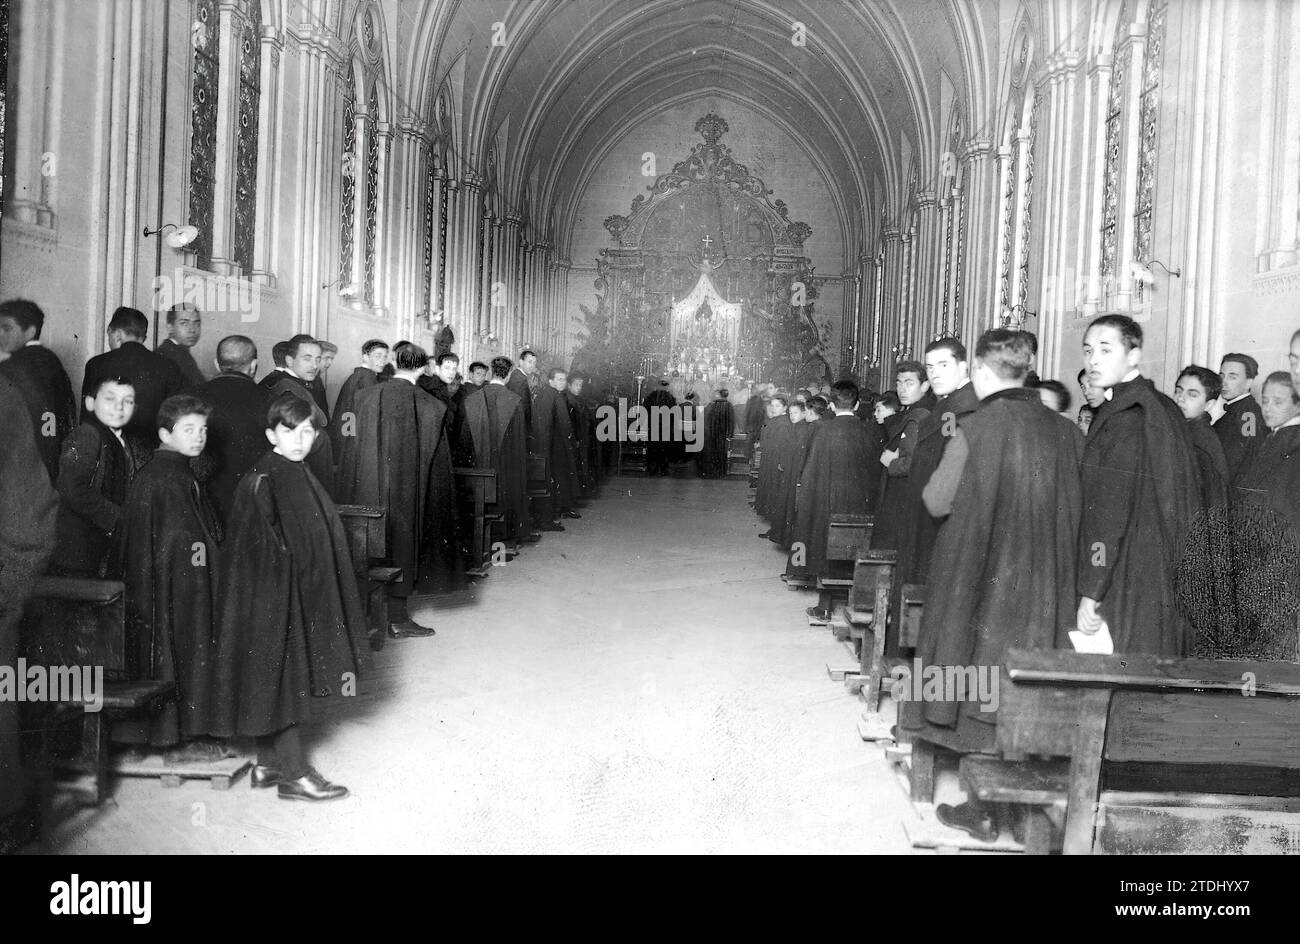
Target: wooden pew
<point>1164,755</point>
<point>479,486</point>
<point>873,575</point>
<point>846,537</point>
<point>368,536</point>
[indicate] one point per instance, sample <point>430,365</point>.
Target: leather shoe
<point>969,819</point>
<point>408,628</point>
<point>311,786</point>
<point>572,514</point>
<point>553,526</point>
<point>263,777</point>
<point>765,534</point>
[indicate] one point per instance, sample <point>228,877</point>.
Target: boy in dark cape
<point>580,419</point>
<point>302,366</point>
<point>494,424</point>
<point>1008,492</point>
<point>442,385</point>
<point>901,431</point>
<point>837,478</point>
<point>399,460</point>
<point>99,461</point>
<point>1140,496</point>
<point>719,427</point>
<point>783,522</point>
<point>28,512</point>
<point>153,377</point>
<point>290,624</point>
<point>778,437</point>
<point>374,356</point>
<point>167,545</point>
<point>39,376</point>
<point>553,438</point>
<point>1195,390</point>
<point>755,417</point>
<point>1241,427</point>
<point>946,367</point>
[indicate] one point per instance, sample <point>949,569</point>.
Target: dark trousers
<point>283,750</point>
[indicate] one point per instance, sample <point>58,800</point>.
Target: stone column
<point>980,260</point>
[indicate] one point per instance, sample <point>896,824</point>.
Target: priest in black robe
<point>1140,495</point>
<point>290,623</point>
<point>184,327</point>
<point>400,461</point>
<point>719,427</point>
<point>28,512</point>
<point>1241,427</point>
<point>237,424</point>
<point>301,366</point>
<point>661,424</point>
<point>494,422</point>
<point>947,369</point>
<point>39,376</point>
<point>837,479</point>
<point>1008,491</point>
<point>553,439</point>
<point>915,399</point>
<point>168,551</point>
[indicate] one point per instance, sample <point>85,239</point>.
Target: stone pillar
<point>891,298</point>
<point>980,260</point>
<point>929,267</point>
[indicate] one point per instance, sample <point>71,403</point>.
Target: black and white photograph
<point>651,427</point>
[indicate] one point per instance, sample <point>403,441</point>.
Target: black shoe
<point>571,514</point>
<point>408,629</point>
<point>553,526</point>
<point>969,819</point>
<point>818,614</point>
<point>765,534</point>
<point>311,786</point>
<point>263,777</point>
<point>532,537</point>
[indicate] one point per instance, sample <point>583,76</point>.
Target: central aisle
<point>642,682</point>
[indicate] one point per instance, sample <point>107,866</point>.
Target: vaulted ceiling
<point>867,88</point>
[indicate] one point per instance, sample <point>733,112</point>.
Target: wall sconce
<point>348,290</point>
<point>182,237</point>
<point>1142,271</point>
<point>431,318</point>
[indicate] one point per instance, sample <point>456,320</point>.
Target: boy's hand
<point>1089,620</point>
<point>887,457</point>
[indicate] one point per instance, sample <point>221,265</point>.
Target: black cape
<point>1240,430</point>
<point>783,521</point>
<point>344,419</point>
<point>236,434</point>
<point>1004,560</point>
<point>778,439</point>
<point>553,438</point>
<point>835,481</point>
<point>169,560</point>
<point>290,624</point>
<point>1211,465</point>
<point>1140,495</point>
<point>321,458</point>
<point>154,377</point>
<point>901,431</point>
<point>719,427</point>
<point>43,383</point>
<point>179,355</point>
<point>494,420</point>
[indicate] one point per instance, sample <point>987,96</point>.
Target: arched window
<point>372,195</point>
<point>248,111</point>
<point>1149,116</point>
<point>206,37</point>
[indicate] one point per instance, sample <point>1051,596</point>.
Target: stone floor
<point>642,682</point>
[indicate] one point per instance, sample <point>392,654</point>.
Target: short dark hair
<point>104,381</point>
<point>280,352</point>
<point>130,321</point>
<point>1063,399</point>
<point>819,404</point>
<point>288,410</point>
<point>446,356</point>
<point>785,401</point>
<point>1006,352</point>
<point>1284,378</point>
<point>173,408</point>
<point>181,306</point>
<point>372,344</point>
<point>1033,342</point>
<point>328,347</point>
<point>407,355</point>
<point>1245,360</point>
<point>1211,381</point>
<point>296,342</point>
<point>845,394</point>
<point>909,367</point>
<point>526,353</point>
<point>955,347</point>
<point>550,374</point>
<point>479,365</point>
<point>576,375</point>
<point>889,400</point>
<point>26,314</point>
<point>1130,331</point>
<point>235,352</point>
<point>1082,374</point>
<point>501,367</point>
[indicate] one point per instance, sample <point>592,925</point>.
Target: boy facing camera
<point>167,554</point>
<point>1196,392</point>
<point>96,467</point>
<point>289,620</point>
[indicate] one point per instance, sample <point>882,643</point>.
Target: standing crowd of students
<point>217,502</point>
<point>1149,524</point>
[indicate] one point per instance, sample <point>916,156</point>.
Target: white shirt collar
<point>1133,374</point>
<point>34,342</point>
<point>1293,421</point>
<point>1235,399</point>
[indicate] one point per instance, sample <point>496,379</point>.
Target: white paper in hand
<point>1098,644</point>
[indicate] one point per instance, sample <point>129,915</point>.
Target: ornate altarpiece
<point>703,277</point>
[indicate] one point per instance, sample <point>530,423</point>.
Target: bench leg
<point>872,663</point>
<point>1038,832</point>
<point>922,774</point>
<point>1085,772</point>
<point>94,755</point>
<point>377,610</point>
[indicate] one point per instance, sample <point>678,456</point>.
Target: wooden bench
<point>479,488</point>
<point>873,574</point>
<point>368,538</point>
<point>1164,755</point>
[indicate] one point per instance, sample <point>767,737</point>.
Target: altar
<point>704,329</point>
